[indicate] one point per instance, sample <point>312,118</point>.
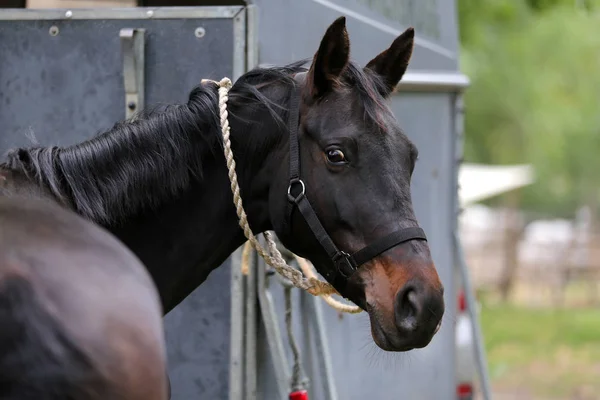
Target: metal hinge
<point>132,47</point>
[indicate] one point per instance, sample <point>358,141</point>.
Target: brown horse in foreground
<point>80,318</point>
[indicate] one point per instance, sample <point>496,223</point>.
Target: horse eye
<point>335,156</point>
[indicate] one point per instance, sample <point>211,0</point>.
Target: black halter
<point>345,264</point>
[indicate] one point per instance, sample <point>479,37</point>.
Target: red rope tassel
<point>299,395</point>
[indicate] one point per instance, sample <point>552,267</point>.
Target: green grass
<point>540,352</point>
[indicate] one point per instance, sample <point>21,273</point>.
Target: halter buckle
<point>291,197</point>
<point>344,264</point>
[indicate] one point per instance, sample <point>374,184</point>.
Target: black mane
<point>162,150</point>
<point>157,154</point>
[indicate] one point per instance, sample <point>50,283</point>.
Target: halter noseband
<point>345,264</point>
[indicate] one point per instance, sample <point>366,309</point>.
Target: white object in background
<point>479,181</point>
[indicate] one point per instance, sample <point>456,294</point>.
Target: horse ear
<point>392,63</point>
<point>330,60</point>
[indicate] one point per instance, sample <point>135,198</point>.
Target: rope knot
<point>225,83</point>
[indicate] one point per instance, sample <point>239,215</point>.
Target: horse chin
<point>377,331</point>
<point>380,338</point>
<point>388,339</point>
<point>387,343</point>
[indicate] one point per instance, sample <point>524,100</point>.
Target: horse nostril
<point>406,309</point>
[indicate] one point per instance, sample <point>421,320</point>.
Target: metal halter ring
<point>344,264</point>
<point>289,191</point>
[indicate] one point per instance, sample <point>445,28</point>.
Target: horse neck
<point>187,237</point>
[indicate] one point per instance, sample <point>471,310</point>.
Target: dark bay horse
<point>160,184</point>
<point>80,317</point>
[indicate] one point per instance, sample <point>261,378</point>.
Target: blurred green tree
<point>535,73</point>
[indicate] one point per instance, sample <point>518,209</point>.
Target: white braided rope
<point>272,257</point>
<point>337,305</point>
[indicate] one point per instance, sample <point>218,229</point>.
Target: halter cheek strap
<point>345,264</point>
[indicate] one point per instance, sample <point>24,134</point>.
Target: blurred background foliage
<point>535,72</point>
<point>534,67</point>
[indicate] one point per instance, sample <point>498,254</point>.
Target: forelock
<point>368,87</point>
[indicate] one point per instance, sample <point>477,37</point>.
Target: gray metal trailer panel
<point>65,85</point>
